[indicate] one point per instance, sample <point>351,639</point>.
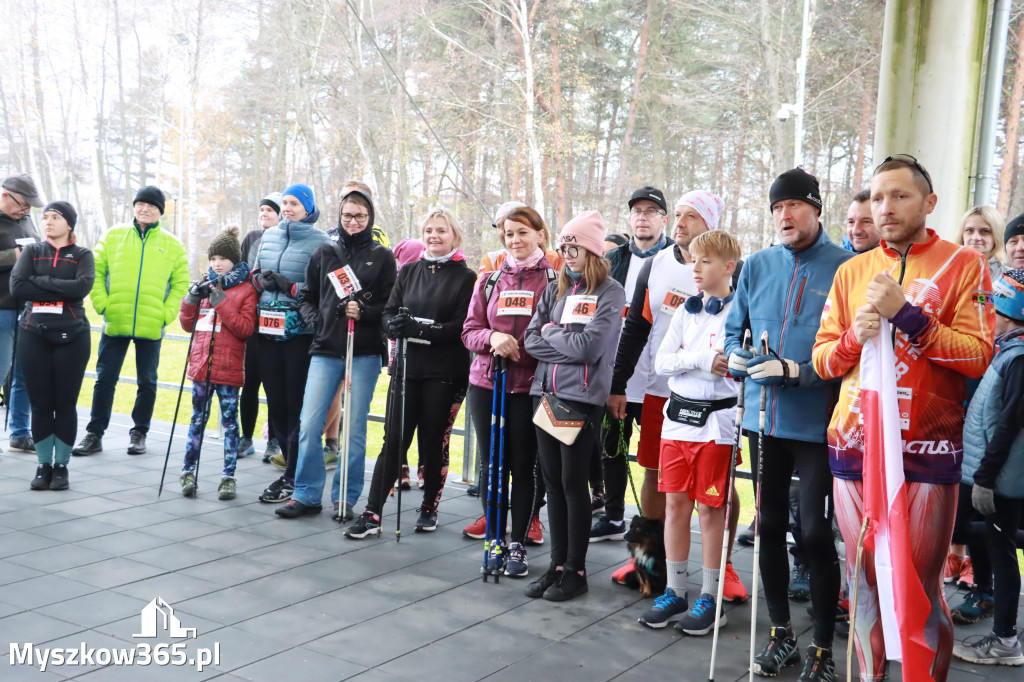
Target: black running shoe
<point>367,524</point>
<point>89,445</point>
<point>427,522</point>
<point>44,473</point>
<point>22,444</point>
<point>538,587</point>
<point>60,477</point>
<point>569,586</point>
<point>278,491</point>
<point>818,666</point>
<point>778,653</point>
<point>294,509</point>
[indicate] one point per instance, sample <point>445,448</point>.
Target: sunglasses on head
<point>907,158</point>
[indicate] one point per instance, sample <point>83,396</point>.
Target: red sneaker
<point>619,576</point>
<point>966,576</point>
<point>476,530</point>
<point>733,590</point>
<point>535,535</point>
<point>954,566</point>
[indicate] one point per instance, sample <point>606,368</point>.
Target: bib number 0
<point>579,310</point>
<point>272,322</point>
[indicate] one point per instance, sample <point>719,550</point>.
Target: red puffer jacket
<point>236,320</point>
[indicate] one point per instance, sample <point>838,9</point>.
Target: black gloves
<point>404,327</point>
<point>273,281</point>
<point>200,290</point>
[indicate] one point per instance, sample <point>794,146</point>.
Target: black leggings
<point>615,464</point>
<point>53,376</point>
<point>566,474</point>
<point>283,368</point>
<point>998,558</point>
<point>520,458</point>
<point>816,513</point>
<point>249,402</point>
<point>431,406</point>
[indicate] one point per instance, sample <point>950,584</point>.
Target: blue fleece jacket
<point>783,291</point>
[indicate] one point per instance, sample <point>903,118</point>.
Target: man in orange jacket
<point>937,295</point>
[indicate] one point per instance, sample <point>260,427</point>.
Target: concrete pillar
<point>930,81</point>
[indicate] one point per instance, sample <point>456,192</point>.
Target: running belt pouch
<point>559,419</point>
<point>695,412</point>
<point>293,324</point>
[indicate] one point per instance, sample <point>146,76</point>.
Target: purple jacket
<point>483,319</point>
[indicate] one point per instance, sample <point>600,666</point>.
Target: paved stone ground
<point>297,600</point>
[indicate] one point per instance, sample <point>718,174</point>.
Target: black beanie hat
<point>151,195</point>
<point>225,245</point>
<point>65,210</point>
<point>1015,228</point>
<point>795,184</point>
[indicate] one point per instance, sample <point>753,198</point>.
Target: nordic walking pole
<point>346,417</point>
<point>181,388</point>
<point>853,598</point>
<point>490,524</point>
<point>401,427</point>
<point>10,373</point>
<point>757,508</point>
<point>730,486</point>
<point>499,528</point>
<point>209,396</point>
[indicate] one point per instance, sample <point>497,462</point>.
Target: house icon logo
<point>159,615</point>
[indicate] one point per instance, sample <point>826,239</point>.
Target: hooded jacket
<point>782,291</point>
<point>484,319</point>
<point>439,291</point>
<point>235,322</point>
<point>375,269</point>
<point>575,360</point>
<point>10,231</point>
<point>140,280</point>
<point>45,273</point>
<point>948,290</point>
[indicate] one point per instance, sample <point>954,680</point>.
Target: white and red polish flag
<point>903,605</point>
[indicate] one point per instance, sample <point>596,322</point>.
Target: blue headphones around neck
<point>713,306</point>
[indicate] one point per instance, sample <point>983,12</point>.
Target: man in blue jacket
<point>782,291</point>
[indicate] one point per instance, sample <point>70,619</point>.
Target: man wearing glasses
<point>938,298</point>
<point>17,198</point>
<point>782,291</point>
<point>648,218</point>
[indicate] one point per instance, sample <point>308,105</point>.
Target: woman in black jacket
<point>427,309</point>
<point>347,280</point>
<point>53,277</point>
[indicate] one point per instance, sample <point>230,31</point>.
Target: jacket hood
<point>368,200</point>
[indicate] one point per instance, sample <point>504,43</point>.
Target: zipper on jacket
<point>782,332</point>
<point>800,295</point>
<point>903,272</point>
<point>138,283</point>
<point>515,327</point>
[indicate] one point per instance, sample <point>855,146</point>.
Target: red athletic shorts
<point>653,414</point>
<point>700,469</point>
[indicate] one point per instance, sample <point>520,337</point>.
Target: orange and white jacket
<point>951,321</point>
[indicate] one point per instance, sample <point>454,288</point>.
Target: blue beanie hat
<point>303,193</point>
<point>1009,295</point>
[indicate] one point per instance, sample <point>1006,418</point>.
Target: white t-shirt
<point>686,355</point>
<point>669,284</point>
<point>637,384</point>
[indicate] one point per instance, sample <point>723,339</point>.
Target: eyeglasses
<point>23,206</point>
<point>358,217</point>
<point>651,213</point>
<point>907,158</point>
<point>568,251</point>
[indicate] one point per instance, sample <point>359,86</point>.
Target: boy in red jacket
<point>220,312</point>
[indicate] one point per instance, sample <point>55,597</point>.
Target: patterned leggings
<point>932,508</point>
<point>228,396</point>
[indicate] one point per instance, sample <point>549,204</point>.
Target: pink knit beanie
<point>585,231</point>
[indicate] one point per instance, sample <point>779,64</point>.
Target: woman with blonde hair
<point>427,308</point>
<point>981,228</point>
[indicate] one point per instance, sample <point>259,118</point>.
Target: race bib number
<point>272,322</point>
<point>673,299</point>
<point>515,303</point>
<point>205,321</point>
<point>625,311</point>
<point>579,310</point>
<point>48,307</point>
<point>344,281</point>
<point>905,400</point>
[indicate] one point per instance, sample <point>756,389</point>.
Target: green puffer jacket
<point>140,281</point>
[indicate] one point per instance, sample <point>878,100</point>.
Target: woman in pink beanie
<point>573,336</point>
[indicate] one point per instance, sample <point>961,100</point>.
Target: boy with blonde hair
<point>697,435</point>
